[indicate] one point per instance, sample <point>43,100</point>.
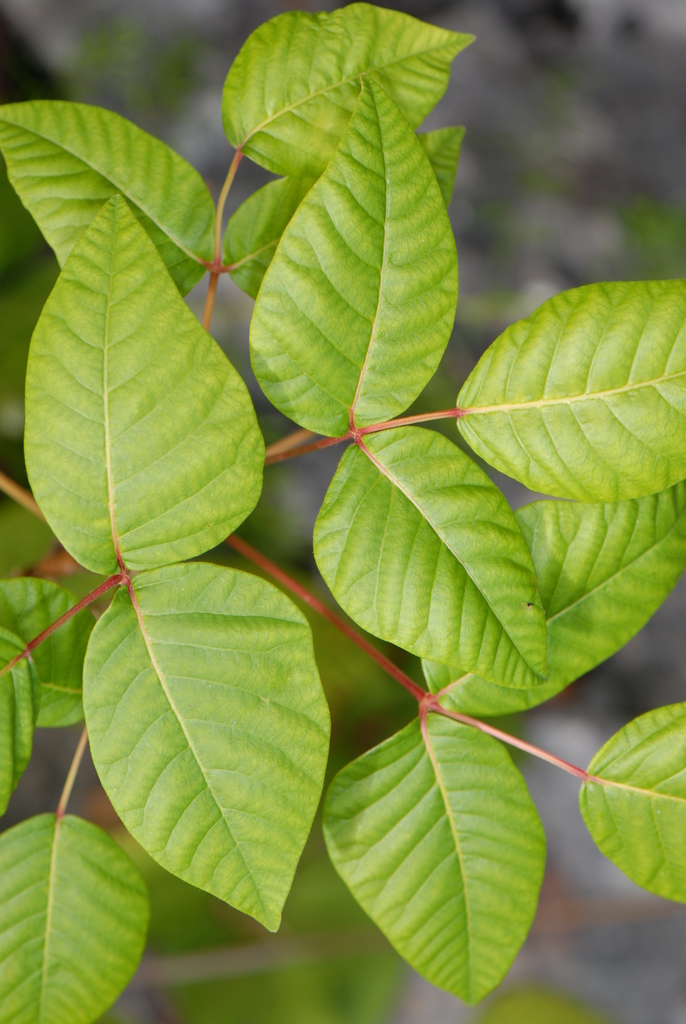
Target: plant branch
<point>20,495</point>
<point>512,741</point>
<point>249,552</point>
<point>285,444</point>
<point>112,581</point>
<point>71,776</point>
<point>303,449</point>
<point>290,446</point>
<point>216,268</point>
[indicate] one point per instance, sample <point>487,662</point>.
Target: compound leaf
<point>357,306</point>
<point>291,90</point>
<point>66,159</point>
<point>141,439</point>
<point>586,398</point>
<point>253,232</point>
<point>420,548</point>
<point>73,920</point>
<point>27,607</point>
<point>19,701</point>
<point>443,150</point>
<point>634,805</point>
<point>435,834</point>
<point>602,570</point>
<point>209,728</point>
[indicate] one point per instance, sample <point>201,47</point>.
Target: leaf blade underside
<point>602,570</point>
<point>209,729</point>
<point>421,549</point>
<point>73,920</point>
<point>358,303</point>
<point>291,90</point>
<point>436,836</point>
<point>636,812</point>
<point>140,435</point>
<point>586,398</point>
<point>28,605</point>
<point>66,159</point>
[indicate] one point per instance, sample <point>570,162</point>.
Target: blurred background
<point>573,170</point>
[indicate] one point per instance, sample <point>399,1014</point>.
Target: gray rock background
<point>573,170</point>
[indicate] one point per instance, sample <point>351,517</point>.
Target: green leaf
<point>291,90</point>
<point>420,548</point>
<point>443,150</point>
<point>27,607</point>
<point>209,729</point>
<point>435,834</point>
<point>73,920</point>
<point>253,232</point>
<point>357,306</point>
<point>587,398</point>
<point>140,436</point>
<point>539,1006</point>
<point>19,701</point>
<point>634,805</point>
<point>66,159</point>
<point>602,571</point>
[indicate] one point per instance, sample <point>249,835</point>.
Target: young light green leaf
<point>587,397</point>
<point>27,607</point>
<point>291,90</point>
<point>443,150</point>
<point>141,440</point>
<point>73,920</point>
<point>420,548</point>
<point>19,701</point>
<point>66,159</point>
<point>209,728</point>
<point>435,834</point>
<point>253,232</point>
<point>357,306</point>
<point>602,571</point>
<point>634,804</point>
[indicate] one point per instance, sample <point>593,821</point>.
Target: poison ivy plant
<point>206,718</point>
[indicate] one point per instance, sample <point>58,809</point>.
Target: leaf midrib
<point>160,676</point>
<point>48,914</point>
<point>110,178</point>
<point>652,794</point>
<point>106,401</point>
<point>540,403</point>
<point>336,85</point>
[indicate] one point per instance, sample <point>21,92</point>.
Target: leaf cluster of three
<point>205,714</point>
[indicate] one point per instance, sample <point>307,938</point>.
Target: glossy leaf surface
<point>73,921</point>
<point>637,815</point>
<point>603,570</point>
<point>66,159</point>
<point>253,232</point>
<point>291,90</point>
<point>436,836</point>
<point>27,607</point>
<point>209,729</point>
<point>587,398</point>
<point>19,700</point>
<point>358,303</point>
<point>421,549</point>
<point>139,433</point>
<point>443,150</point>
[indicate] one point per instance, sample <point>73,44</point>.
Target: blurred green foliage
<point>539,1006</point>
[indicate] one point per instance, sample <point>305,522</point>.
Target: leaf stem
<point>512,741</point>
<point>20,495</point>
<point>216,267</point>
<point>71,776</point>
<point>273,570</point>
<point>288,447</point>
<point>112,581</point>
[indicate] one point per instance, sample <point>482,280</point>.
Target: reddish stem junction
<point>356,434</point>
